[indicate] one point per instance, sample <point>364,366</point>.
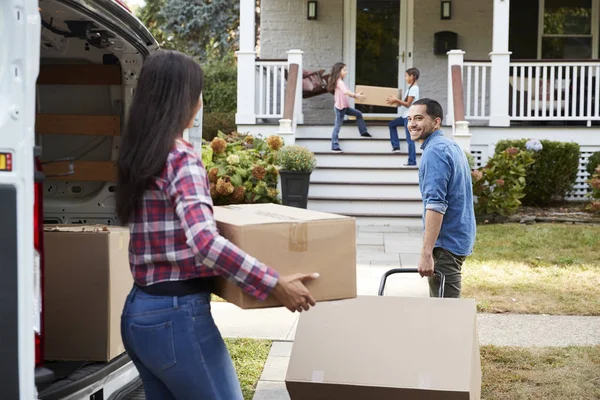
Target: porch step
<point>352,159</point>
<point>362,174</point>
<point>347,131</point>
<point>375,145</point>
<point>386,222</point>
<point>368,207</point>
<point>352,190</point>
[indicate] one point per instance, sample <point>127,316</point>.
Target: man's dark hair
<point>434,109</point>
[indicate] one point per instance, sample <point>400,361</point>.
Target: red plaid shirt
<point>174,235</point>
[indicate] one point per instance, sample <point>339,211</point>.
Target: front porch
<point>513,75</point>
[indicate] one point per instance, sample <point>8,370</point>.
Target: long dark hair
<point>415,74</point>
<point>336,71</point>
<point>167,94</point>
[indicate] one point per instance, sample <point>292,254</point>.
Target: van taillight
<point>38,265</point>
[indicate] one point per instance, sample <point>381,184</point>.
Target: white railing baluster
<point>537,91</point>
<point>597,93</point>
<point>476,94</point>
<point>560,89</point>
<point>469,89</point>
<point>552,92</point>
<point>567,91</point>
<point>282,89</point>
<point>522,93</point>
<point>544,84</point>
<point>574,110</point>
<point>529,93</point>
<point>513,73</point>
<point>581,112</point>
<point>588,109</point>
<point>484,70</point>
<point>261,92</point>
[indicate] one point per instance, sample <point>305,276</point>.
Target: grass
<point>249,357</point>
<point>538,269</point>
<point>563,373</point>
<point>509,373</point>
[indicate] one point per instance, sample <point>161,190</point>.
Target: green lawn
<point>543,268</point>
<point>249,357</point>
<point>563,373</point>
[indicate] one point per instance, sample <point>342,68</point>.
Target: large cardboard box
<point>387,348</point>
<point>292,240</point>
<point>376,95</point>
<point>87,278</point>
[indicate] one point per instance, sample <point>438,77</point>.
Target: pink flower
<point>513,151</point>
<point>476,175</point>
<point>500,182</point>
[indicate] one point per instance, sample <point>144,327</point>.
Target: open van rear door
<point>19,65</point>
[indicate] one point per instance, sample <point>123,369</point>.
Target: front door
<point>380,54</point>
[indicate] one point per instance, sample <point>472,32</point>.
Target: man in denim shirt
<point>445,183</point>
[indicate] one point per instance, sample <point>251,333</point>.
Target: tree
<point>204,28</point>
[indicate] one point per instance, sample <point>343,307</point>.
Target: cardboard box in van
<point>86,280</point>
<point>292,240</point>
<point>387,348</point>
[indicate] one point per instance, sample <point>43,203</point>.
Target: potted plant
<point>296,163</point>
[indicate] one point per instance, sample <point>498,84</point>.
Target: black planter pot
<point>294,188</point>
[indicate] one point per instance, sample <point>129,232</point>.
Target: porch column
<point>246,56</point>
<point>500,57</point>
<point>295,57</point>
<point>455,57</point>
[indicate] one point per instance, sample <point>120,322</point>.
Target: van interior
<point>91,53</point>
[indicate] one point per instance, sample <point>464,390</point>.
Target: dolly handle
<point>410,271</point>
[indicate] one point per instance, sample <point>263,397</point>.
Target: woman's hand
<point>292,293</point>
<point>391,100</point>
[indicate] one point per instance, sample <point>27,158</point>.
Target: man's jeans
<point>177,348</point>
<point>412,151</point>
<point>339,120</point>
<point>450,265</point>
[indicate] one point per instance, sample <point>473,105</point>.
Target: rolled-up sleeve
<point>436,171</point>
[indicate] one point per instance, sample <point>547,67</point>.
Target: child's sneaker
<point>396,150</point>
<point>337,150</point>
<point>366,134</point>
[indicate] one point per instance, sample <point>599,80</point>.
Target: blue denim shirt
<point>445,183</point>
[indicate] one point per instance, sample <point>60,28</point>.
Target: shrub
<point>296,158</point>
<point>500,185</point>
<point>241,169</point>
<point>552,175</point>
<point>593,163</point>
<point>214,122</point>
<point>594,183</point>
<point>220,86</point>
<point>470,159</point>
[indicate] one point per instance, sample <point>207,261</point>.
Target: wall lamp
<point>311,13</point>
<point>446,10</point>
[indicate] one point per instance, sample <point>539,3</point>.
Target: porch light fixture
<point>446,10</point>
<point>311,13</point>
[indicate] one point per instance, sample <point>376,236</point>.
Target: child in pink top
<point>342,107</point>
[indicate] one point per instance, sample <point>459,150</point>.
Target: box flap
<point>84,228</point>
<point>406,343</point>
<point>260,214</point>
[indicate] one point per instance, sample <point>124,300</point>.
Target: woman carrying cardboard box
<point>175,248</point>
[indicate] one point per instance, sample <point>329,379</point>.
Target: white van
<point>68,71</point>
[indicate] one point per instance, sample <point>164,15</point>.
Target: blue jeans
<point>412,151</point>
<point>339,120</point>
<point>177,348</point>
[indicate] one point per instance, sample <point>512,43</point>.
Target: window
<point>569,29</point>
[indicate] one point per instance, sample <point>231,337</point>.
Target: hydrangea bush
<point>242,169</point>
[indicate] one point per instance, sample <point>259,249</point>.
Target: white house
<point>529,69</point>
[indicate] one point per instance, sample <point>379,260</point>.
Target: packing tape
<point>298,237</point>
<point>318,376</point>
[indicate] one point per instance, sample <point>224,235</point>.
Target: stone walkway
<point>380,249</point>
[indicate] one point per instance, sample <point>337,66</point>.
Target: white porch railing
<point>477,86</point>
<point>270,88</point>
<point>554,91</point>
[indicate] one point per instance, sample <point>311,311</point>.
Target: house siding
<point>284,26</point>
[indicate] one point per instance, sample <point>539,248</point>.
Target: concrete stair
<point>367,180</point>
